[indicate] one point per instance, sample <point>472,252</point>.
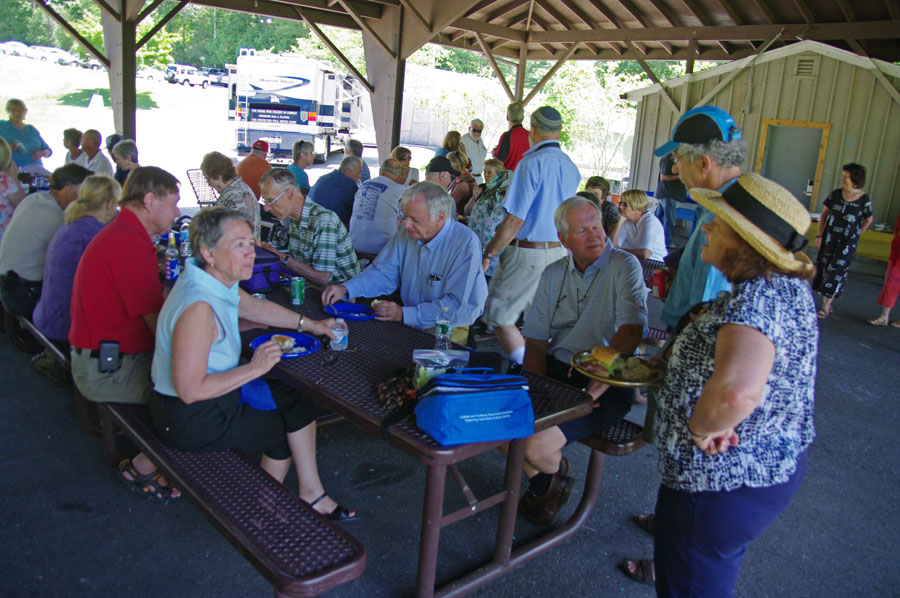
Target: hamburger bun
<point>285,342</point>
<point>604,355</point>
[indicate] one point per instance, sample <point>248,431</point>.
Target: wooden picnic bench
<point>299,551</point>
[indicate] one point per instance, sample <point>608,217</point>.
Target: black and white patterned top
<point>781,426</point>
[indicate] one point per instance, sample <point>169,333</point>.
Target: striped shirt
<point>576,311</point>
<point>320,240</point>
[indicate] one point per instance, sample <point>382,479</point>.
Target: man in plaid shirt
<point>320,248</point>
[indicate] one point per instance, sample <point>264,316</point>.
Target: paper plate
<point>304,343</point>
<point>355,312</point>
<point>583,362</point>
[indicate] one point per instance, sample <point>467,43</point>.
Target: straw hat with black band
<point>765,215</point>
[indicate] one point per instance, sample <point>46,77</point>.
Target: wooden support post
<point>520,71</point>
<point>128,65</point>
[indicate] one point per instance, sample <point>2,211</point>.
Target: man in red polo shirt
<point>516,141</point>
<point>116,297</point>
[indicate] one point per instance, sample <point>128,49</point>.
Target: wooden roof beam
<point>638,16</point>
<point>893,10</point>
<point>764,8</point>
<point>281,10</point>
<point>666,12</point>
<point>804,10</point>
<point>357,17</point>
<point>584,18</point>
<point>655,79</point>
<point>612,18</point>
<point>160,24</point>
<point>412,8</point>
<point>497,72</point>
<point>540,85</point>
<point>876,72</point>
<point>846,10</point>
<point>62,22</point>
<point>505,10</point>
<point>334,50</point>
<point>365,9</point>
<point>731,76</point>
<point>148,10</point>
<point>546,27</point>
<point>513,35</point>
<point>817,31</point>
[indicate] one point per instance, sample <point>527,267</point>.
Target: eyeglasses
<point>474,130</point>
<point>406,159</point>
<point>264,202</point>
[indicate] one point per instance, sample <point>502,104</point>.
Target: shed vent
<point>806,67</point>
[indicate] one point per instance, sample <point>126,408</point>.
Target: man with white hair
<point>527,237</point>
<point>475,149</point>
<point>303,154</point>
<point>376,208</point>
<point>434,261</point>
<point>335,190</point>
<point>354,147</point>
<point>96,161</point>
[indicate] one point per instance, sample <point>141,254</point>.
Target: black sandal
<point>644,571</point>
<point>645,521</point>
<point>339,513</point>
<point>145,484</point>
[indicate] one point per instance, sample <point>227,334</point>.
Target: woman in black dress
<point>846,214</point>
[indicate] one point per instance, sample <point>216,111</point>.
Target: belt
<point>96,352</point>
<point>534,244</point>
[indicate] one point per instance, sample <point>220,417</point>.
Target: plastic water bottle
<point>185,240</point>
<point>443,329</point>
<point>342,332</point>
<point>173,268</point>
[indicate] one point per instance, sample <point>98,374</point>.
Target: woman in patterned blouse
<point>735,413</point>
<point>233,192</point>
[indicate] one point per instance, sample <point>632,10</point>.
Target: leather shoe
<point>543,509</point>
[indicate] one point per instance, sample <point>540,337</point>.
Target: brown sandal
<point>145,484</point>
<point>641,571</point>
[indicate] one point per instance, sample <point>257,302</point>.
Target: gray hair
<point>724,153</point>
<point>559,216</point>
<point>126,149</point>
<point>355,146</point>
<point>516,112</point>
<point>477,122</point>
<point>436,197</point>
<point>391,167</point>
<point>301,147</point>
<point>350,164</point>
<point>282,178</point>
<point>207,228</point>
<point>94,135</point>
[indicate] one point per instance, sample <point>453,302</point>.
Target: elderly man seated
<point>319,248</point>
<point>594,296</point>
<point>435,261</point>
<point>335,190</point>
<point>376,208</point>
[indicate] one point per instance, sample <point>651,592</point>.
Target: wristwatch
<point>285,258</point>
<point>300,325</point>
<point>485,255</point>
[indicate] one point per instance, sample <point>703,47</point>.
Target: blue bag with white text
<point>456,408</point>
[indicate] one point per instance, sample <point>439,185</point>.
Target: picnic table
<point>347,387</point>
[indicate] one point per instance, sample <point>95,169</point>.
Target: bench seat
<point>300,552</point>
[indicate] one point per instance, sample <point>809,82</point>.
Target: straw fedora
<point>764,214</point>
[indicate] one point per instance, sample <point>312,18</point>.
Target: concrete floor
<point>73,530</point>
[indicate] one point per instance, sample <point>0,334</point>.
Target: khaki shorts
<point>515,282</point>
<point>129,384</point>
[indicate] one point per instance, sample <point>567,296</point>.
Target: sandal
<point>641,571</point>
<point>339,513</point>
<point>895,324</point>
<point>879,321</point>
<point>822,313</point>
<point>145,484</point>
<point>645,521</point>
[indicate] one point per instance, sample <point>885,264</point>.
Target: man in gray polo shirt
<point>595,296</point>
<point>526,237</point>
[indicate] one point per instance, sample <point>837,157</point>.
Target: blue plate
<point>304,343</point>
<point>355,312</point>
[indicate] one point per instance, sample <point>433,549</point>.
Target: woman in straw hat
<point>735,411</point>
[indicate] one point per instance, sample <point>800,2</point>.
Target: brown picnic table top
<point>347,387</point>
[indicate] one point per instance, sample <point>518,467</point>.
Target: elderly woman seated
<point>233,192</point>
<point>203,399</point>
<point>125,154</point>
<point>639,232</point>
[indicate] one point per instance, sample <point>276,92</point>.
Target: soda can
<point>297,288</point>
<point>658,284</point>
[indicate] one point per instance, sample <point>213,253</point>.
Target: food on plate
<point>605,356</point>
<point>375,302</point>
<point>285,342</point>
<point>632,368</point>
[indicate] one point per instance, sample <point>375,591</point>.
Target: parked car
<point>215,76</point>
<point>150,74</point>
<point>185,74</point>
<point>13,48</point>
<point>49,54</point>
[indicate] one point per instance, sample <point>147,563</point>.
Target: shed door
<point>791,157</point>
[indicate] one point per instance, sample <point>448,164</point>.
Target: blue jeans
<point>701,537</point>
<point>665,211</point>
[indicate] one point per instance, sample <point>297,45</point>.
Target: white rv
<point>287,97</point>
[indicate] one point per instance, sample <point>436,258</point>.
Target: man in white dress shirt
<point>475,149</point>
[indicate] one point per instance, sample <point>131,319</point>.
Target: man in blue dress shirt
<point>433,259</point>
<point>544,178</point>
<point>335,190</point>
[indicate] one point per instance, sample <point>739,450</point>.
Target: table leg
<point>429,541</point>
<point>515,460</point>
